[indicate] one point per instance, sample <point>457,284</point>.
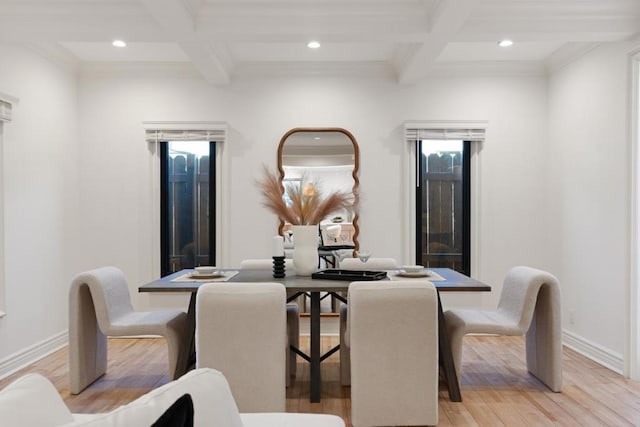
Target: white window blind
<point>445,134</point>
<point>5,111</point>
<point>185,131</point>
<point>466,131</point>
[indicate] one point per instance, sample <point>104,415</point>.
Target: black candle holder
<point>278,267</point>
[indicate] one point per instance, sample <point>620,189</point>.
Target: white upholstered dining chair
<point>293,311</point>
<point>392,333</point>
<point>529,305</point>
<point>356,264</point>
<point>241,331</point>
<point>100,306</point>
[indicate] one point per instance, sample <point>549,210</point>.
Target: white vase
<point>305,249</point>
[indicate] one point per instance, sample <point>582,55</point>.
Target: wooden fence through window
<point>188,211</point>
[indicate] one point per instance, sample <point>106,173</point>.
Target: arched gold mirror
<point>329,156</point>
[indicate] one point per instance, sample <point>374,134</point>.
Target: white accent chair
<point>241,331</point>
<point>392,332</point>
<point>293,312</point>
<point>356,264</point>
<point>212,402</point>
<point>529,305</point>
<point>100,306</point>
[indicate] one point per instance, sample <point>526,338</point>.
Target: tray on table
<point>349,275</point>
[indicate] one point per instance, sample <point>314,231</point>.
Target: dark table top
<point>454,282</point>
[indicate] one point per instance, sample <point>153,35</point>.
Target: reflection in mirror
<point>330,157</point>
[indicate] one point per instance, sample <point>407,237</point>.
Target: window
<point>2,307</point>
<point>443,204</point>
<point>442,181</point>
<point>6,106</point>
<point>208,134</point>
<point>187,201</point>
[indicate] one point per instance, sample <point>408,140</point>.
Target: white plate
<point>414,274</point>
<point>412,268</point>
<point>206,269</point>
<point>214,275</point>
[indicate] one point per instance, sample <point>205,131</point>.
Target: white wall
<point>40,198</point>
<point>589,189</point>
<point>115,175</point>
<point>86,199</point>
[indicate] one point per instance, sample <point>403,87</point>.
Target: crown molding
<point>567,54</point>
<point>378,69</point>
<point>373,69</point>
<point>488,69</point>
<point>56,54</point>
<point>139,69</point>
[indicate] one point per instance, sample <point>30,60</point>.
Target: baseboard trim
<point>599,354</point>
<point>31,354</point>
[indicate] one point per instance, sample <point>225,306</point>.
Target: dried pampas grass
<point>308,206</point>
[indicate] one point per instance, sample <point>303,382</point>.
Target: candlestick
<point>278,267</point>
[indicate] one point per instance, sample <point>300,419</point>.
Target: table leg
<point>446,357</point>
<point>188,340</point>
<point>315,347</point>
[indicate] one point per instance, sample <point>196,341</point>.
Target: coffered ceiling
<point>408,39</point>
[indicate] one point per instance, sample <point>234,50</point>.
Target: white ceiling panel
<point>412,38</point>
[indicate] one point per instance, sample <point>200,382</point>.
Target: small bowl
<point>412,268</point>
<point>205,270</point>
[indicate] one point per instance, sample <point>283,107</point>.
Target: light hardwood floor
<point>496,389</point>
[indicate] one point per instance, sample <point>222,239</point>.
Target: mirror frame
<point>356,167</point>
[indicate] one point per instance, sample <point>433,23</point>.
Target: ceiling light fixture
<point>505,43</point>
<point>119,43</point>
<point>313,44</point>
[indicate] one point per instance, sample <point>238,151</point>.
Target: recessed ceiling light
<point>313,44</point>
<point>119,43</point>
<point>505,43</point>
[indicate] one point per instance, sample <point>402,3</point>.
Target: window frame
<point>2,255</point>
<point>408,164</point>
<point>7,103</point>
<point>223,191</point>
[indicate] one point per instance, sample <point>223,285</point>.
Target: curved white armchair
<point>393,336</point>
<point>100,306</point>
<point>529,305</point>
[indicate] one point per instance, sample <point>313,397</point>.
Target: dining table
<point>444,280</point>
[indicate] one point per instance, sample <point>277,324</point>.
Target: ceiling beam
<point>446,21</point>
<point>211,60</point>
<point>174,16</point>
<point>178,17</point>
